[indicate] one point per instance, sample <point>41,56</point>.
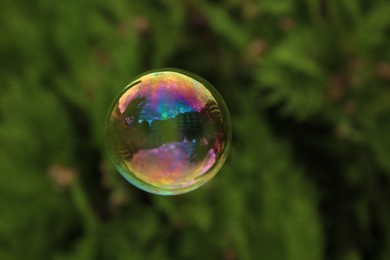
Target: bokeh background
<point>307,83</point>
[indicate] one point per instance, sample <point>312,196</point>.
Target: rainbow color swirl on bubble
<point>168,132</point>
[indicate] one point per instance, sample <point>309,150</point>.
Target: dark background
<point>307,83</point>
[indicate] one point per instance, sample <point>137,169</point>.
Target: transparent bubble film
<point>168,132</point>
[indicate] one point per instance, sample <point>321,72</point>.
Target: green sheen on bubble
<point>168,132</point>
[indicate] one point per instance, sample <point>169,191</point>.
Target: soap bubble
<point>168,132</point>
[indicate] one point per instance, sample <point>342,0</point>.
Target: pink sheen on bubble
<point>169,165</point>
<point>168,132</point>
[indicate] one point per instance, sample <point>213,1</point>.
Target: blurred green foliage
<point>308,86</point>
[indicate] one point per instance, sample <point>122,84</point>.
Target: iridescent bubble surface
<point>168,132</point>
